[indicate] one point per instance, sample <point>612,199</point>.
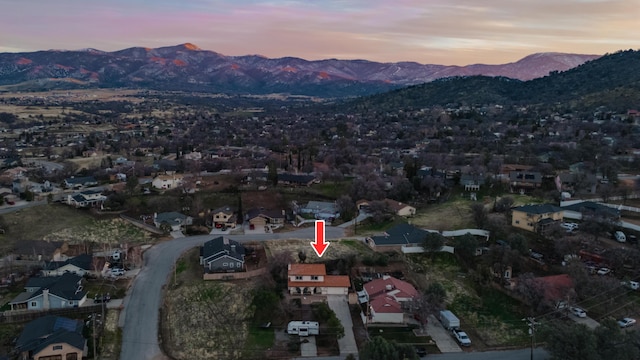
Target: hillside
<point>612,80</point>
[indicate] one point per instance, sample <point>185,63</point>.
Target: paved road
<point>139,318</point>
<point>4,209</point>
<point>524,354</point>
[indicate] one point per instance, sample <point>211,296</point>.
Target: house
<point>397,207</point>
<point>387,297</point>
<point>296,179</point>
<point>85,199</point>
<point>79,265</point>
<point>222,255</point>
<point>312,279</point>
<point>577,182</point>
<point>321,210</point>
<point>472,182</point>
<point>35,249</point>
<point>524,181</point>
<point>262,218</point>
<point>54,292</point>
<point>174,220</point>
<point>52,337</point>
<point>590,208</point>
<point>167,181</point>
<point>397,237</point>
<point>224,217</point>
<point>536,218</point>
<point>78,182</point>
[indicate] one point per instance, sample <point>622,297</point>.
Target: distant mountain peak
<point>190,46</point>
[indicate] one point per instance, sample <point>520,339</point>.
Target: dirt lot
<point>60,222</point>
<point>336,250</point>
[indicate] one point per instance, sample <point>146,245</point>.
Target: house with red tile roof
<point>386,297</point>
<point>312,279</point>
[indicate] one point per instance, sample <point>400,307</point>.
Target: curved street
<point>140,316</point>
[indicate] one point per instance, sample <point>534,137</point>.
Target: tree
<point>272,175</point>
<point>380,349</point>
<point>380,211</point>
<point>504,204</point>
<point>519,243</point>
<point>347,207</point>
<point>302,256</point>
<point>433,242</point>
<point>479,213</point>
<point>569,341</point>
<point>465,246</point>
<point>532,291</point>
<point>132,183</point>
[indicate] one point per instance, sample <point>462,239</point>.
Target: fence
<point>235,276</point>
<point>29,315</point>
<point>142,225</point>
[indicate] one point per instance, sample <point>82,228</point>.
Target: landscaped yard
<point>452,215</point>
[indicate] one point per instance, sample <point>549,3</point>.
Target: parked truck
<point>449,320</point>
<point>303,328</point>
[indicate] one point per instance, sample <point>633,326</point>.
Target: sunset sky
<point>449,32</point>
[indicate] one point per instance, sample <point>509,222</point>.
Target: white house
<point>312,279</point>
<point>165,182</point>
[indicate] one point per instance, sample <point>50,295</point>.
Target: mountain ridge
<point>188,67</point>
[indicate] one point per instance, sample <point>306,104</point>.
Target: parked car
<point>578,312</point>
<point>462,337</point>
<point>569,226</point>
<point>626,322</point>
<point>100,299</point>
<point>603,271</point>
<point>633,285</point>
<point>116,272</point>
<point>620,236</point>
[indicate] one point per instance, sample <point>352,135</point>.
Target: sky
<point>447,32</point>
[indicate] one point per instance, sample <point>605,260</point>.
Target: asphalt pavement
<point>140,316</point>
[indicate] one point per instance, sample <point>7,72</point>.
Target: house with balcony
<point>312,279</point>
<point>224,217</point>
<point>536,218</point>
<point>386,300</point>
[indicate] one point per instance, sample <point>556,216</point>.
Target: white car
<point>116,272</point>
<point>620,236</point>
<point>603,271</point>
<point>626,322</point>
<point>569,226</point>
<point>578,312</point>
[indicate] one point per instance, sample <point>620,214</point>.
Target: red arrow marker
<point>320,246</point>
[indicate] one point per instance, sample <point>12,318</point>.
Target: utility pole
<point>531,321</point>
<point>95,353</point>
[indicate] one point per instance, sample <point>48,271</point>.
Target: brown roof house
<point>312,279</point>
<point>387,297</point>
<point>52,337</point>
<point>398,208</point>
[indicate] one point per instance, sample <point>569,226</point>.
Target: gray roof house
<point>322,210</point>
<point>222,255</point>
<point>53,292</point>
<point>76,182</point>
<point>397,236</point>
<point>174,219</point>
<point>79,265</point>
<point>52,337</point>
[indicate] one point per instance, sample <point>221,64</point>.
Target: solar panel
<point>66,324</point>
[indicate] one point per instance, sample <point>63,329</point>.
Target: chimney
<point>289,267</point>
<point>225,241</point>
<point>389,287</point>
<point>45,299</point>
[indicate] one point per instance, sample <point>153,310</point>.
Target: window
<point>34,304</point>
<point>314,277</point>
<point>225,264</point>
<point>239,265</point>
<point>517,221</point>
<point>230,264</point>
<point>57,347</point>
<point>298,277</point>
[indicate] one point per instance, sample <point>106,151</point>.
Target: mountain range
<point>187,67</point>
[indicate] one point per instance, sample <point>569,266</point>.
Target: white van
<point>620,237</point>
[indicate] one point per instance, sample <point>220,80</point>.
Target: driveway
<point>589,322</point>
<point>444,340</point>
<point>139,318</point>
<point>340,306</point>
